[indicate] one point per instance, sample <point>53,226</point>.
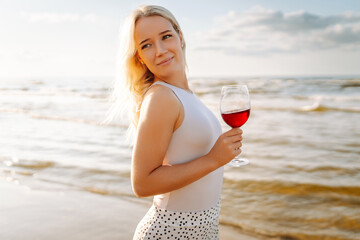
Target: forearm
<point>167,178</point>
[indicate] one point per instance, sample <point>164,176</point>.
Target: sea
<point>302,140</point>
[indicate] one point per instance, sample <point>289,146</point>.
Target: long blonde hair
<point>132,77</point>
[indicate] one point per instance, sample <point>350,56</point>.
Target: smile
<point>166,61</point>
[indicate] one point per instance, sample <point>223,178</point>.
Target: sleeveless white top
<point>194,138</point>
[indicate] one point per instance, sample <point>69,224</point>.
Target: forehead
<point>146,27</point>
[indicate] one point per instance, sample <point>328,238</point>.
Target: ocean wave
<point>277,233</point>
<point>291,210</point>
<point>315,107</point>
<point>319,107</point>
<point>24,166</point>
<point>328,98</point>
<point>100,94</point>
<point>283,86</point>
<point>329,169</point>
<point>291,188</point>
<point>351,83</point>
<point>34,164</point>
<point>92,180</point>
<point>249,185</point>
<point>58,118</point>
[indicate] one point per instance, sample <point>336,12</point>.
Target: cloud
<point>261,31</point>
<point>53,17</point>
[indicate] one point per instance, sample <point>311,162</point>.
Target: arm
<point>159,114</point>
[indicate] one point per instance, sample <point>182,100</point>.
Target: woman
<point>179,149</point>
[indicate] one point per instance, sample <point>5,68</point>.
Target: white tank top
<point>194,138</point>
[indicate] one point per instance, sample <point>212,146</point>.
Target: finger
<point>237,151</point>
<point>236,145</point>
<point>236,138</point>
<point>233,131</point>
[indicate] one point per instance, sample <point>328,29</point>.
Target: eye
<point>167,36</point>
<point>145,46</point>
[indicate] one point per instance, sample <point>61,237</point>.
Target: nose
<point>160,49</point>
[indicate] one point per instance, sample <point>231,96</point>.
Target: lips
<point>165,61</point>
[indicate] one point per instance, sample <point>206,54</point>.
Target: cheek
<point>146,56</point>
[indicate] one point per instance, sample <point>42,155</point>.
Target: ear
<point>182,42</point>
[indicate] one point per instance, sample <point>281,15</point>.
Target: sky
<point>79,38</point>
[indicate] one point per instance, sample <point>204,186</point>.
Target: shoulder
<point>162,100</point>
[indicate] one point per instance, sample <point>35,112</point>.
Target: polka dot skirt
<point>164,224</point>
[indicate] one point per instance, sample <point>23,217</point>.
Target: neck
<point>178,80</point>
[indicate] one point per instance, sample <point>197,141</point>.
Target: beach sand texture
<point>57,215</point>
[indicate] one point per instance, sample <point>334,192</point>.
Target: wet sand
<point>43,214</point>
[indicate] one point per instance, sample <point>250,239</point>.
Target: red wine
<point>236,119</point>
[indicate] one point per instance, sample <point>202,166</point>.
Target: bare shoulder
<point>160,100</point>
<point>160,96</point>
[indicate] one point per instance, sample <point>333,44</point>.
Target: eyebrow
<point>149,38</point>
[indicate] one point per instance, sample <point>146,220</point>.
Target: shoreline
<point>54,214</point>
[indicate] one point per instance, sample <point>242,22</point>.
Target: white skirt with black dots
<point>164,224</point>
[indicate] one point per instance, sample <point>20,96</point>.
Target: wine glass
<point>235,110</point>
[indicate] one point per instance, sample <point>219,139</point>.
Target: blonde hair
<point>132,77</point>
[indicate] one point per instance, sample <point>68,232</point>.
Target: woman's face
<point>159,46</point>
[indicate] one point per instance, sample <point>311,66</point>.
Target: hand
<point>226,147</point>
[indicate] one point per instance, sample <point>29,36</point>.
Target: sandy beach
<point>39,215</point>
